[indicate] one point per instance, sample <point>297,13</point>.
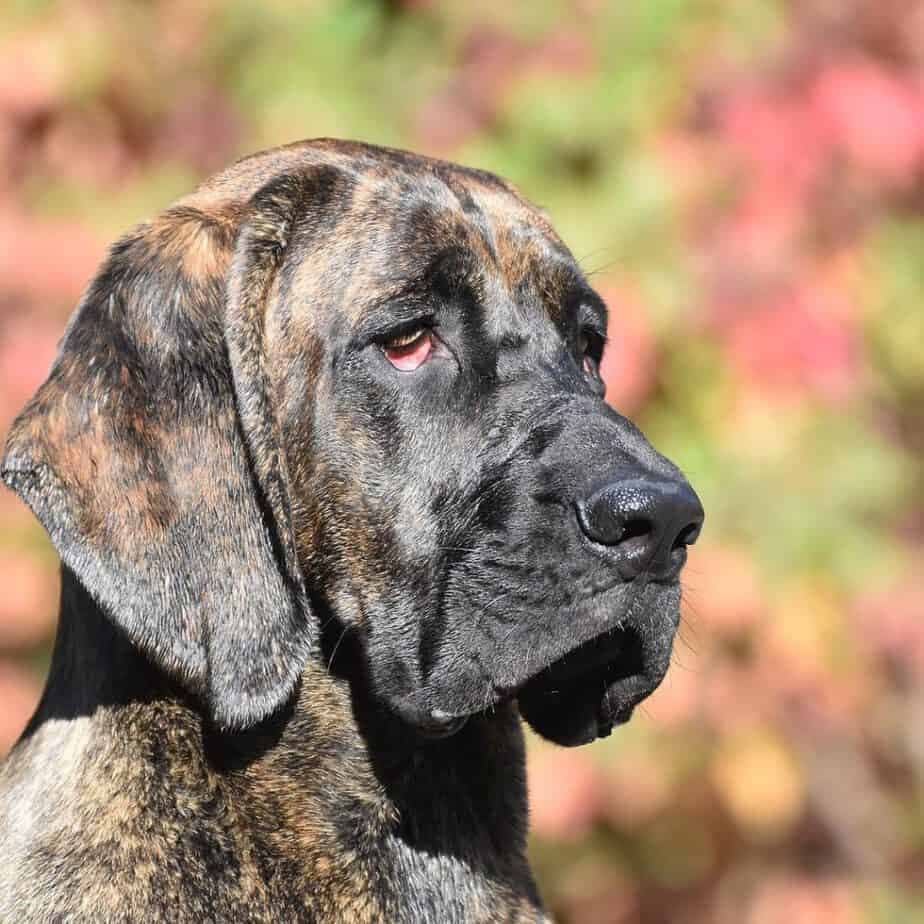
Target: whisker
<point>334,652</point>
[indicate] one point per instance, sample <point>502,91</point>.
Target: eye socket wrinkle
<point>453,274</point>
<point>392,317</point>
<point>448,276</point>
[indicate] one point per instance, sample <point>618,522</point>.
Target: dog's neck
<point>328,777</point>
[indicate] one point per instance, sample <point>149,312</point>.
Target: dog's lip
<point>599,651</point>
<point>604,649</point>
<point>612,656</point>
<point>614,684</point>
<point>596,685</point>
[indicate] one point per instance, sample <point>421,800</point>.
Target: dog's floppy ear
<point>150,454</point>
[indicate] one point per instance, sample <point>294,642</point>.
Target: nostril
<point>634,529</point>
<point>687,536</point>
<point>645,524</point>
<point>607,525</point>
<point>636,540</point>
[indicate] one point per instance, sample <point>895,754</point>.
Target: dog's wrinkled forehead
<point>381,234</point>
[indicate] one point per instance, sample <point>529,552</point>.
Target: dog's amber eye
<point>411,350</point>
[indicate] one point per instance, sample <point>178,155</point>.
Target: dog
<point>338,500</point>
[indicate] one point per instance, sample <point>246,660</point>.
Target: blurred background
<point>744,181</point>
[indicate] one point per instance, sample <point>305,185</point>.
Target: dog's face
<point>456,425</point>
<point>415,357</point>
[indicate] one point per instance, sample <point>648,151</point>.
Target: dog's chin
<point>583,695</point>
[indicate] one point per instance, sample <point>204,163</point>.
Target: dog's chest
<point>157,838</point>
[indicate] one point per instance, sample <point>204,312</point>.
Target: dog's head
<point>348,381</point>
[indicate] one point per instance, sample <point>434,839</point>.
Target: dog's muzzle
<point>642,526</point>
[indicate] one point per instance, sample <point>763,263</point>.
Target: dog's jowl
<point>338,500</point>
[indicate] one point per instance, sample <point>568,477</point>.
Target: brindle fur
<point>267,555</point>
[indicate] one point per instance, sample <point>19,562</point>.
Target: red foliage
<point>874,116</point>
<point>794,345</point>
<point>46,260</point>
<point>629,363</point>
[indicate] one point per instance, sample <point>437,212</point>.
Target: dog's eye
<point>410,351</point>
<point>590,344</point>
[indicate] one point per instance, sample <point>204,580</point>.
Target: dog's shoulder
<point>41,825</point>
<point>105,813</point>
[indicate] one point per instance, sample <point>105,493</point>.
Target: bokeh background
<point>745,183</point>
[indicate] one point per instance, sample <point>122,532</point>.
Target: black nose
<point>646,524</point>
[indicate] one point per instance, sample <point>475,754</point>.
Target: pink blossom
<point>797,344</point>
<point>735,697</point>
<point>566,792</point>
<point>45,259</point>
<point>564,51</point>
<point>890,620</point>
<point>678,700</point>
<point>28,602</point>
<point>725,591</point>
<point>27,348</point>
<point>780,141</point>
<point>638,789</point>
<point>874,115</point>
<point>790,899</point>
<point>30,75</point>
<point>491,58</point>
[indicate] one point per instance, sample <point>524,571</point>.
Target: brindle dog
<point>326,459</point>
